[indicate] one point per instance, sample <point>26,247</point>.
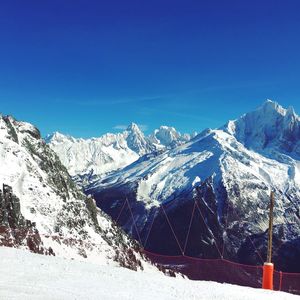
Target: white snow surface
<point>27,276</point>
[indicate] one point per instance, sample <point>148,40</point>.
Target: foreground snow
<point>30,276</point>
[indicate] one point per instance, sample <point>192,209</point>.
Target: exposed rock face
<point>15,230</point>
<point>229,173</point>
<point>286,248</point>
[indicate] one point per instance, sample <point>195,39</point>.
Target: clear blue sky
<point>84,67</point>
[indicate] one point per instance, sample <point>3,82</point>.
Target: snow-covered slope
<point>86,158</point>
<point>30,276</point>
<point>230,173</point>
<point>41,209</point>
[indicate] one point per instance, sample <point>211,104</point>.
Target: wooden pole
<point>270,235</point>
<point>268,268</point>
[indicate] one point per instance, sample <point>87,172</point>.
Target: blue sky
<point>88,67</point>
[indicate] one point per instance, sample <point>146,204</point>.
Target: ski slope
<point>31,276</point>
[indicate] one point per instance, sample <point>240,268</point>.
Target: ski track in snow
<point>31,276</point>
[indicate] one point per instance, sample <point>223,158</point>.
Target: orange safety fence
<point>225,271</point>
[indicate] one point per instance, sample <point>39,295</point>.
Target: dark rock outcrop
<point>15,230</point>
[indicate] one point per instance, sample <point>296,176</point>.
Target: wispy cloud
<point>227,86</point>
<point>125,100</point>
<point>120,127</point>
<point>183,114</point>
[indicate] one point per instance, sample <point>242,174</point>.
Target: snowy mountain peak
<point>57,137</point>
<point>133,127</point>
<point>274,108</point>
<point>137,141</point>
<point>270,106</point>
<point>167,136</point>
<point>268,128</point>
<point>265,115</point>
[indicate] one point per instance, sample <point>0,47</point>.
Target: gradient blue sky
<point>85,67</point>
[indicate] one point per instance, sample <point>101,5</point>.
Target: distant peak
<point>56,136</point>
<point>272,106</point>
<point>167,128</point>
<point>269,101</point>
<point>168,136</point>
<point>133,127</point>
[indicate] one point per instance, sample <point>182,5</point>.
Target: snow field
<point>27,276</point>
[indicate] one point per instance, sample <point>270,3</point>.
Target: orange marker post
<point>268,268</point>
<point>268,273</point>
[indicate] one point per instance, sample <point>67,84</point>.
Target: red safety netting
<point>219,270</point>
<point>224,271</point>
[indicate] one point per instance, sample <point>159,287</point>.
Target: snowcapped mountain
<point>224,178</point>
<point>42,210</point>
<point>270,130</point>
<point>89,158</point>
<point>168,137</point>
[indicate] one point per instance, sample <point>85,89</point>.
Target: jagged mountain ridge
<point>87,159</point>
<point>230,173</point>
<point>42,210</point>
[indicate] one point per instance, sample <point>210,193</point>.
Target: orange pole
<point>268,268</point>
<point>268,272</point>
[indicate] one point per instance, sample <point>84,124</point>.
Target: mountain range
<point>204,195</point>
<point>91,159</point>
<point>226,173</point>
